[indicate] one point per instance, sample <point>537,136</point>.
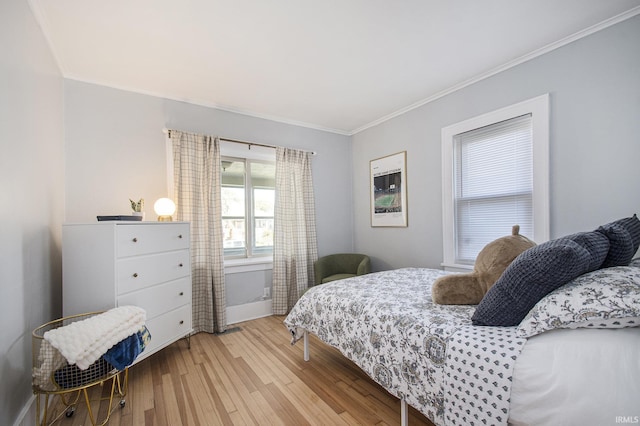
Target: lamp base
<point>165,218</point>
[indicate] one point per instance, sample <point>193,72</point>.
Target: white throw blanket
<point>84,342</point>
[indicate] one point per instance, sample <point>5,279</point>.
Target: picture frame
<point>388,179</point>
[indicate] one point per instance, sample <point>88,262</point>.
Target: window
<point>248,199</point>
<point>495,175</point>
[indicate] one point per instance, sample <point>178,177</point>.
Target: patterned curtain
<point>196,163</point>
<point>295,248</point>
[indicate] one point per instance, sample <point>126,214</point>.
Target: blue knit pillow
<point>535,273</point>
<point>624,237</point>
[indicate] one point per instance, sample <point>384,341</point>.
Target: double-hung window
<point>248,199</point>
<point>495,175</point>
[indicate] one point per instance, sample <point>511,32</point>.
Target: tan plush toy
<point>493,259</point>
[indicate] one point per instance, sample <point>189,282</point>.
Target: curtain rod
<point>166,132</point>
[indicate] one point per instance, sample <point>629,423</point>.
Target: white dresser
<point>146,264</point>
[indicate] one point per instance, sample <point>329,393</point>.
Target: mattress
<point>578,377</point>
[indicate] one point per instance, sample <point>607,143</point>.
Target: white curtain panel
<point>196,162</point>
<point>295,244</point>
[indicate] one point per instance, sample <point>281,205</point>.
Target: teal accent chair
<point>342,265</point>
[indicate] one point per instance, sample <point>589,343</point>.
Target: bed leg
<point>404,413</point>
<point>306,345</point>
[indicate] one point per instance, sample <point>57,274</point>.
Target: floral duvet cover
<point>429,355</point>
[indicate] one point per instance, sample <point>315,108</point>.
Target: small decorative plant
<point>137,206</point>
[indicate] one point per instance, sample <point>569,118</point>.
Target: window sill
<point>455,267</point>
<point>235,266</point>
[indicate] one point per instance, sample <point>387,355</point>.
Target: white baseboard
<point>235,314</point>
<point>249,311</point>
<point>27,416</point>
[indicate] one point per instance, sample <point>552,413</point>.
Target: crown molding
<point>43,23</point>
<point>534,54</point>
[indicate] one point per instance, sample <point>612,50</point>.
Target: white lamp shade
<point>164,207</point>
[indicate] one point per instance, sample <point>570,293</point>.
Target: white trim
<point>207,104</point>
<point>250,152</point>
<point>250,264</point>
<point>541,118</point>
<point>539,109</point>
<point>448,247</point>
<point>454,267</point>
<point>169,155</point>
<point>27,415</point>
<point>249,311</point>
<point>43,23</point>
<point>524,58</point>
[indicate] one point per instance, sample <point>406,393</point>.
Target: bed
<point>574,359</point>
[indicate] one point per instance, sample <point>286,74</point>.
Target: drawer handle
<point>135,275</point>
<point>182,293</point>
<point>181,265</point>
<point>181,322</point>
<point>180,236</point>
<point>135,240</point>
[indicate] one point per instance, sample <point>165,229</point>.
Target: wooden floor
<point>252,376</point>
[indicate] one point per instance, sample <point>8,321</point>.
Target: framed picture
<point>389,190</point>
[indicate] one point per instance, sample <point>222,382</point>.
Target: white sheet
<point>578,377</point>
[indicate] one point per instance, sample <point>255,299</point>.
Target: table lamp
<point>164,208</point>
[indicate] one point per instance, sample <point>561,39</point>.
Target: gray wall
<point>31,196</point>
<point>594,88</point>
<point>115,150</point>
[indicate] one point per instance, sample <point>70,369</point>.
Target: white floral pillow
<point>605,298</point>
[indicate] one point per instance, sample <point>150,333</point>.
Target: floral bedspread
<point>429,355</point>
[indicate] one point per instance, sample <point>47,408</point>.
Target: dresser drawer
<point>132,240</point>
<point>169,327</point>
<point>160,298</point>
<point>136,273</point>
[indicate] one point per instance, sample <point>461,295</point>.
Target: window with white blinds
<point>493,172</point>
<point>495,175</point>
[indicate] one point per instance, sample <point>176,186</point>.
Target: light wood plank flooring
<point>249,377</point>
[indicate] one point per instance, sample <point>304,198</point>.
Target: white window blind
<point>493,184</point>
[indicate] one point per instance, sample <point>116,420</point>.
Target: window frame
<point>538,107</point>
<point>250,251</point>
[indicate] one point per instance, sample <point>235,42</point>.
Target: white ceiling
<point>338,65</point>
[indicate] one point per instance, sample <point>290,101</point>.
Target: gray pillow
<point>624,238</point>
<point>596,244</point>
<point>535,273</point>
